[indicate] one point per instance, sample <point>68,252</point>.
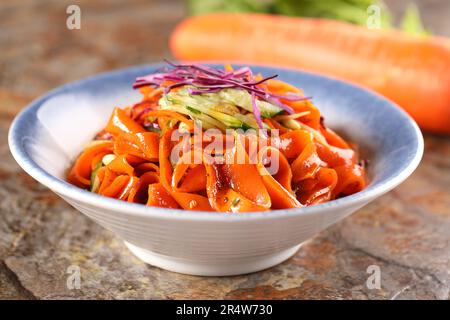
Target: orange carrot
<point>188,201</point>
<point>116,188</point>
<point>307,163</point>
<point>120,165</point>
<point>81,171</point>
<point>139,193</point>
<point>159,197</point>
<point>279,185</point>
<point>142,144</point>
<point>119,123</point>
<point>321,187</point>
<point>412,71</point>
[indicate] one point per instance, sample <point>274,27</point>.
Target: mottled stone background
<point>406,232</point>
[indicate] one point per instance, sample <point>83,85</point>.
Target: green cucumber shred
<point>94,174</point>
<point>227,108</point>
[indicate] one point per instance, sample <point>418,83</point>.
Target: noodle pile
<point>130,159</point>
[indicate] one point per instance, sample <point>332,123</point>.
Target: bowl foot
<point>224,267</point>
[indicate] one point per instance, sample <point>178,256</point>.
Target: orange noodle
<point>148,153</point>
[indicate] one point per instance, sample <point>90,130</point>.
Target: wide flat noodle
<point>133,162</point>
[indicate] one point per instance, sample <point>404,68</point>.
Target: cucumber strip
<point>95,182</point>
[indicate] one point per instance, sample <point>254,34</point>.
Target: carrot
<point>412,71</point>
<point>139,193</point>
<point>159,197</point>
<point>81,171</point>
<point>279,185</point>
<point>119,123</point>
<point>142,144</point>
<point>116,188</point>
<point>350,179</point>
<point>307,163</point>
<point>293,142</point>
<point>120,165</point>
<point>187,201</point>
<point>321,187</point>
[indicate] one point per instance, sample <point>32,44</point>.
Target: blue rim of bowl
<point>66,189</point>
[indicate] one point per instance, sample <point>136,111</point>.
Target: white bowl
<point>46,137</point>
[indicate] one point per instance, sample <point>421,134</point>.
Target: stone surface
<point>406,232</point>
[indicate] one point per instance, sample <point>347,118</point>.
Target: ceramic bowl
<point>46,137</point>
